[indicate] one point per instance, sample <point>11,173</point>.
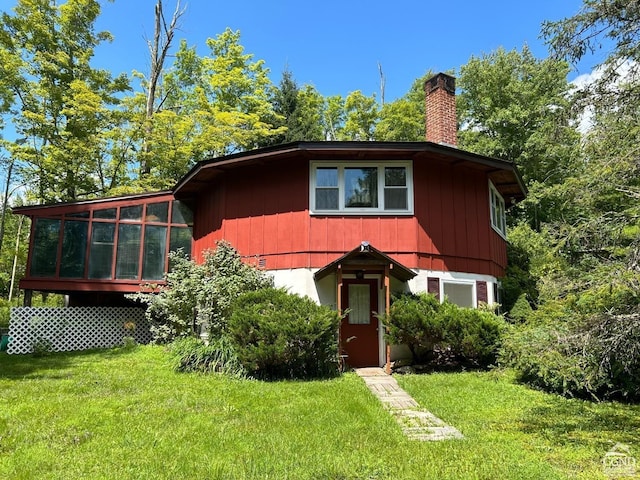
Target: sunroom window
<point>127,242</point>
<point>498,215</point>
<point>361,188</point>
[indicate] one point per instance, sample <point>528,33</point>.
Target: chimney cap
<point>441,80</point>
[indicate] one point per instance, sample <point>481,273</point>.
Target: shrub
<point>521,310</point>
<point>413,321</point>
<point>595,356</point>
<point>190,354</point>
<point>473,336</point>
<point>278,335</point>
<point>429,328</point>
<point>545,357</point>
<point>197,296</point>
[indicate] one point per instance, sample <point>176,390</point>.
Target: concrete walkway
<point>416,423</point>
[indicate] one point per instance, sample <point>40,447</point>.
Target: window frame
<point>497,211</point>
<point>471,284</point>
<point>93,215</point>
<point>344,164</point>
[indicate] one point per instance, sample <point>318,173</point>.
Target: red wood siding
<point>263,211</point>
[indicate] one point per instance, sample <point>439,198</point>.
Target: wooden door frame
<point>382,270</point>
<point>374,306</point>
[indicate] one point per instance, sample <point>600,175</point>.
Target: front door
<point>359,329</point>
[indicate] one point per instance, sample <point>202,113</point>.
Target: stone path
<point>416,423</point>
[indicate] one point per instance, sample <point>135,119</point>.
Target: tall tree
<point>221,102</point>
<point>300,110</point>
<point>612,26</point>
<point>333,117</point>
<point>63,105</point>
<point>598,229</point>
<point>361,116</point>
<point>403,119</point>
<point>516,107</point>
<point>158,49</point>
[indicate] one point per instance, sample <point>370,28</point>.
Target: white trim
<point>342,210</point>
<point>497,215</point>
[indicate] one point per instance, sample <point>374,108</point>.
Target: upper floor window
<point>361,188</point>
<point>498,216</point>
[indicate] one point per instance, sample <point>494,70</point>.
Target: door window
<point>360,305</point>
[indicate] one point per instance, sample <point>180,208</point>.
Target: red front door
<point>359,329</point>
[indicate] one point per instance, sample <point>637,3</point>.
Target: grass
<point>125,414</point>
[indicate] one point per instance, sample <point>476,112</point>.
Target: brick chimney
<point>441,122</point>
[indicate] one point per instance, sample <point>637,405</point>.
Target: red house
<point>346,223</point>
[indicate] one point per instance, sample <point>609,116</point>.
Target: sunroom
<point>98,250</point>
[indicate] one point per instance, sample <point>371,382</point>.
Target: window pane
<point>101,254</point>
<point>395,176</point>
<point>181,213</point>
<point>157,212</point>
<point>155,242</point>
<point>361,187</point>
<point>74,249</point>
<point>180,238</point>
<point>395,199</point>
<point>327,177</point>
<point>78,215</point>
<point>459,294</point>
<point>45,247</point>
<point>107,214</point>
<point>326,199</point>
<point>359,305</point>
<point>132,214</point>
<point>128,257</point>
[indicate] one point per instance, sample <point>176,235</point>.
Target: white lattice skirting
<point>74,328</point>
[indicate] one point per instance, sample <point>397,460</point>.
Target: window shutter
<point>433,286</point>
<point>481,292</point>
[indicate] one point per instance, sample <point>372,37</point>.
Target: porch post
<point>339,307</point>
<point>387,304</point>
<point>26,302</point>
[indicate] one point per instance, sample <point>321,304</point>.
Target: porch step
<point>415,422</point>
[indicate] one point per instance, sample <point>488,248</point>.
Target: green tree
<point>333,117</point>
<point>403,120</point>
<point>602,25</point>
<point>360,117</point>
<point>300,111</point>
<point>62,106</point>
<point>513,106</point>
<point>211,105</point>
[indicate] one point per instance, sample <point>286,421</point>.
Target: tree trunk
<point>158,49</point>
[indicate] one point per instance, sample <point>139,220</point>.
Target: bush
<point>545,357</point>
<point>473,336</point>
<point>190,354</point>
<point>595,356</point>
<point>521,310</point>
<point>198,296</point>
<point>278,335</point>
<point>413,321</point>
<point>465,335</point>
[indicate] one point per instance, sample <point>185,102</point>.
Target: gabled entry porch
<point>363,290</point>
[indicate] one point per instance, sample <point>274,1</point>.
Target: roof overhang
<point>503,174</point>
<point>365,256</point>
<point>80,205</point>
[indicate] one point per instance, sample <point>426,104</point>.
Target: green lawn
<point>126,414</point>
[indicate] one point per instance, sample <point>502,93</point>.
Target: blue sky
<point>336,45</point>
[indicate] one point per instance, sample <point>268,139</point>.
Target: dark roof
<point>502,173</point>
<point>365,254</point>
<point>32,209</point>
